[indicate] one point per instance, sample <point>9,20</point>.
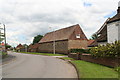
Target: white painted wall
<point>119,4</point>
<point>119,30</point>
<point>113,31</point>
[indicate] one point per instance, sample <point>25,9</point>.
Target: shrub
<point>80,51</point>
<point>117,69</point>
<point>108,50</point>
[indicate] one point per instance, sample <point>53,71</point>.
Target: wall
<point>112,32</point>
<point>60,47</point>
<point>111,62</point>
<point>77,44</point>
<point>119,30</point>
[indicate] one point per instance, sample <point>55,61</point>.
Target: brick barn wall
<point>61,47</point>
<point>77,44</point>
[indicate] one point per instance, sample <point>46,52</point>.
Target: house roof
<point>102,32</point>
<point>93,44</point>
<point>20,46</point>
<point>116,17</point>
<point>61,34</point>
<point>104,27</point>
<point>90,42</point>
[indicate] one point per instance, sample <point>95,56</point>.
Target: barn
<point>64,39</point>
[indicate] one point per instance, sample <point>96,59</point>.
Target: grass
<point>91,70</point>
<point>4,54</point>
<point>46,54</point>
<point>67,58</point>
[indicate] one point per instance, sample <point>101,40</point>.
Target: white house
<point>110,31</point>
<point>113,27</point>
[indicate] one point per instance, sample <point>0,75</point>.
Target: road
<point>37,66</point>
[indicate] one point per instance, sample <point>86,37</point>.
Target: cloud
<point>26,18</point>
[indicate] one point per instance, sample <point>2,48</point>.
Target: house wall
<point>113,31</point>
<point>119,30</point>
<point>77,44</point>
<point>60,47</point>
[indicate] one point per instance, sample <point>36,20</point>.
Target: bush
<point>117,69</point>
<point>80,51</point>
<point>108,50</point>
<point>4,54</point>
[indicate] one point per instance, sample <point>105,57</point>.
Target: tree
<point>8,46</point>
<point>37,39</point>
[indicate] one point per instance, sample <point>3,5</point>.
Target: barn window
<point>78,36</point>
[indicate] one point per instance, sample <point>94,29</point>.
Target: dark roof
<point>102,32</point>
<point>104,27</point>
<point>61,34</point>
<point>116,17</point>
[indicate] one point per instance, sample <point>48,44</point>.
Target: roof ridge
<point>63,28</point>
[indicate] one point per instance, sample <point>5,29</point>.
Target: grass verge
<point>4,54</point>
<point>91,70</point>
<point>66,58</point>
<point>46,54</point>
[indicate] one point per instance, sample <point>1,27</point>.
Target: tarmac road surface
<point>37,66</point>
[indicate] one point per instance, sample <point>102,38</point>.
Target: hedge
<point>87,51</point>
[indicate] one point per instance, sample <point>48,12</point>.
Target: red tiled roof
<point>19,46</point>
<point>90,42</point>
<point>93,44</point>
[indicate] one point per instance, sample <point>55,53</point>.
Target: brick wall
<point>77,44</point>
<point>60,47</point>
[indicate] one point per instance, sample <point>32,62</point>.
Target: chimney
<point>118,11</point>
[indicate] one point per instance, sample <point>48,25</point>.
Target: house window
<point>78,36</point>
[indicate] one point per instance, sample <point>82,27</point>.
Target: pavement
<point>37,66</point>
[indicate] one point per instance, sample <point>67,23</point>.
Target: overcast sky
<point>25,19</point>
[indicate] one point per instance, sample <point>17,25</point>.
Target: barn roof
<point>61,34</point>
<point>36,45</point>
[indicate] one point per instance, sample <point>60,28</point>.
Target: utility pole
<point>53,41</point>
<point>5,35</point>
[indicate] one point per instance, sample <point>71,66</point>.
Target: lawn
<point>67,58</point>
<point>91,70</point>
<point>46,54</point>
<point>4,54</point>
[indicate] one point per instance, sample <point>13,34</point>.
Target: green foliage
<point>108,50</point>
<point>8,46</point>
<point>91,70</point>
<point>37,39</point>
<point>117,69</point>
<point>46,54</point>
<point>80,51</point>
<point>4,54</point>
